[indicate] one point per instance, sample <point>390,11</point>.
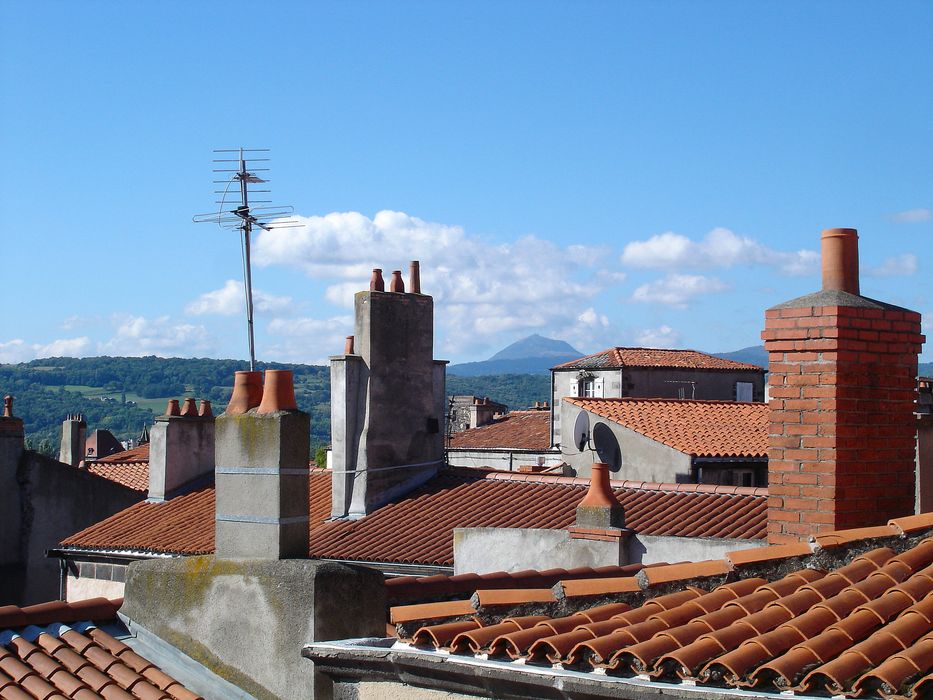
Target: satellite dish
<point>581,431</point>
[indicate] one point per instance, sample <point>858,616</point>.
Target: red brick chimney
<point>842,379</point>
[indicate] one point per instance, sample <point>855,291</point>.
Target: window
<point>743,391</point>
<point>589,386</point>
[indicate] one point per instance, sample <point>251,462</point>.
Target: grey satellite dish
<point>581,431</point>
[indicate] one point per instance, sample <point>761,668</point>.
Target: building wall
<point>504,459</point>
<point>56,501</point>
<point>642,459</point>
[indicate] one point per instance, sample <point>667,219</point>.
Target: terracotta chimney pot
<point>7,406</point>
<point>600,494</point>
<point>190,408</point>
<point>278,393</point>
<point>172,408</point>
<point>376,283</point>
<point>348,346</point>
<point>247,392</point>
<point>205,410</point>
<point>396,284</point>
<point>414,277</point>
<point>840,259</point>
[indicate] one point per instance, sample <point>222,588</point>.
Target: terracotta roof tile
<point>863,629</point>
<point>419,528</point>
<point>519,430</point>
<point>55,650</point>
<point>129,468</point>
<point>698,428</point>
<point>619,357</point>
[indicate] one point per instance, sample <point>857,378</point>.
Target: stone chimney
<point>387,399</point>
<point>12,440</point>
<point>74,435</point>
<point>262,471</point>
<point>842,380</point>
<point>181,448</point>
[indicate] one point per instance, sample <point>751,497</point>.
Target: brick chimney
<point>262,473</point>
<point>387,399</point>
<point>181,448</point>
<point>74,435</point>
<point>842,379</point>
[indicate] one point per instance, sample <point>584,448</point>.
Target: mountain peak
<point>536,346</point>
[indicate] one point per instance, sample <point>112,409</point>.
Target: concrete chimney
<point>842,387</point>
<point>74,435</point>
<point>387,403</point>
<point>181,448</point>
<point>12,439</point>
<point>262,476</point>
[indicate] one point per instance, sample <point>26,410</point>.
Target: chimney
<point>181,448</point>
<point>387,401</point>
<point>414,277</point>
<point>600,509</point>
<point>262,475</point>
<point>74,434</point>
<point>842,386</point>
<point>12,445</point>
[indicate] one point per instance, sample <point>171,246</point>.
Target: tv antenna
<point>245,216</point>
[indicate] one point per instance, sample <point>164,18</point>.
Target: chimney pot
<point>414,277</point>
<point>840,259</point>
<point>205,410</point>
<point>247,392</point>
<point>376,283</point>
<point>172,409</point>
<point>600,507</point>
<point>396,284</point>
<point>190,409</point>
<point>348,346</point>
<point>7,406</point>
<point>278,394</point>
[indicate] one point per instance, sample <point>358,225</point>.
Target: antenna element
<point>245,217</point>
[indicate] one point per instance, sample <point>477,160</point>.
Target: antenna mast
<point>244,218</point>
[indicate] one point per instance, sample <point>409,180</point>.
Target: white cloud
<point>720,248</point>
<point>480,287</point>
<point>661,337</point>
<point>676,290</point>
<point>17,350</point>
<point>137,335</point>
<point>230,300</point>
<point>899,265</point>
<point>308,340</point>
<point>913,216</point>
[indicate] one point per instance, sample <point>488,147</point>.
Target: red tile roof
<point>418,529</point>
<point>617,358</point>
<point>129,468</point>
<point>857,624</point>
<point>518,430</point>
<point>698,428</point>
<point>45,654</point>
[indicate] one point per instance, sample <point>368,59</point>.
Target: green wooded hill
<point>122,394</point>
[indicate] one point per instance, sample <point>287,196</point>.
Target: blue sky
<point>608,173</point>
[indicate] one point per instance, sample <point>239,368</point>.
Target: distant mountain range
<point>537,354</point>
<point>532,355</point>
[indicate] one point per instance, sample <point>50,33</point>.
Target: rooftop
<point>698,428</point>
<point>519,430</point>
<point>129,468</point>
<point>849,614</point>
<point>617,358</point>
<point>418,529</point>
<point>71,650</point>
